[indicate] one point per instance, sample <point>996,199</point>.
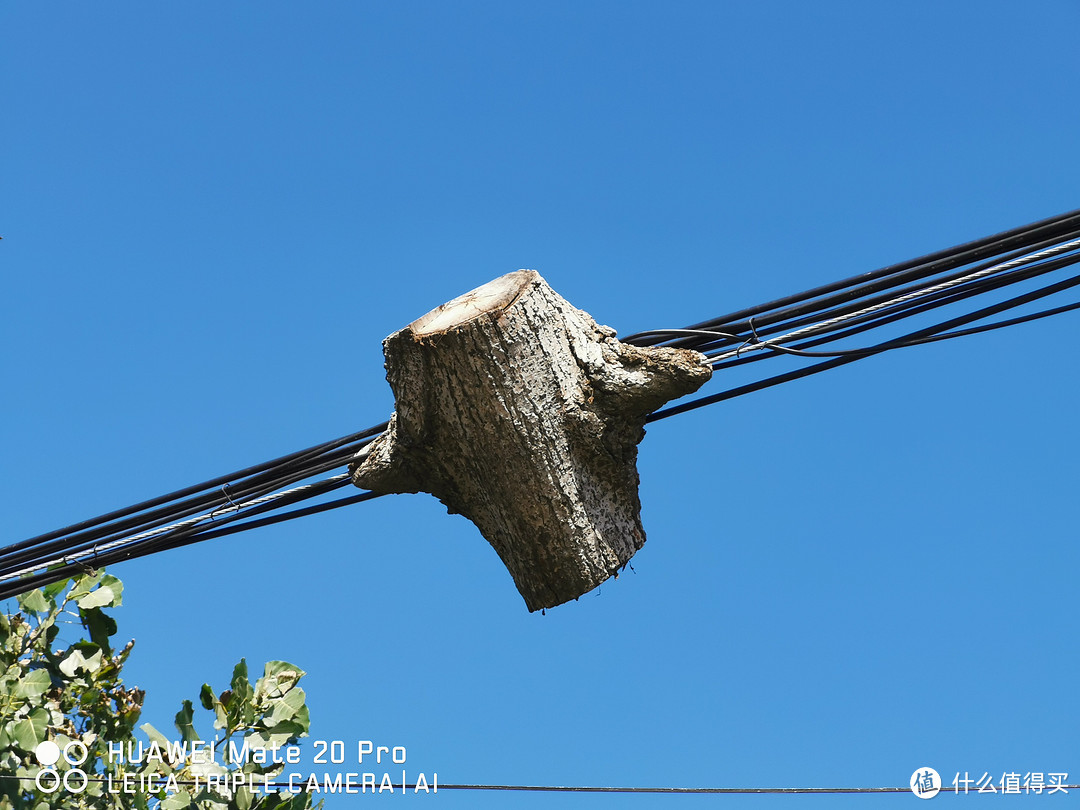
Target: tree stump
<point>518,411</point>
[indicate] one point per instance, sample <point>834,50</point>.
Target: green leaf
<point>154,735</point>
<point>280,668</point>
<point>206,696</point>
<point>303,719</point>
<point>103,596</point>
<point>34,602</point>
<point>240,680</point>
<point>286,707</point>
<point>81,656</point>
<point>184,723</point>
<point>278,678</point>
<point>83,585</point>
<point>240,711</point>
<point>116,586</point>
<point>54,589</point>
<point>278,736</point>
<point>221,716</point>
<point>177,801</point>
<point>46,631</point>
<point>100,624</point>
<point>23,735</point>
<point>40,718</point>
<point>243,798</point>
<point>33,685</point>
<point>29,733</point>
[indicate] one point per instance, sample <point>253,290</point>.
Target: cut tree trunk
<point>518,411</point>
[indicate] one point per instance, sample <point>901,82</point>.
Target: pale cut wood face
<point>494,296</point>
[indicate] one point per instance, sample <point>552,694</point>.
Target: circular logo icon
<point>47,753</point>
<point>925,783</point>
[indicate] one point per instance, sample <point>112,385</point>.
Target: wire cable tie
<point>231,503</point>
<point>750,341</point>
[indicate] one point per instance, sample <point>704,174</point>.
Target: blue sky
<point>212,215</point>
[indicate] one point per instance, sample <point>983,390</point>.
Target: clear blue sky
<point>213,213</point>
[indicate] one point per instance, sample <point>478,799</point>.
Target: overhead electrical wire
<point>755,340</point>
<point>1023,268</point>
<point>214,508</point>
<point>929,334</point>
<point>1027,237</point>
<point>796,324</point>
<point>793,325</point>
<point>909,300</point>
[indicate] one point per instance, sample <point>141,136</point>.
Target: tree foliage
<point>76,693</point>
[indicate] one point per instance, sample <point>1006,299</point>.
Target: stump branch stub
<point>518,411</point>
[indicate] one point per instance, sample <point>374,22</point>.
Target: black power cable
<point>128,533</point>
<point>889,316</point>
<point>769,323</point>
<point>223,498</point>
<point>1057,228</point>
<point>284,462</point>
<point>938,331</point>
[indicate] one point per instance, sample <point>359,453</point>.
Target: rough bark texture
<point>518,411</point>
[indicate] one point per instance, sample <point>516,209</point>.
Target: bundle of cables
<point>794,325</point>
<point>223,505</point>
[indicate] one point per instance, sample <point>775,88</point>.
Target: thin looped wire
<point>753,340</point>
<point>235,507</point>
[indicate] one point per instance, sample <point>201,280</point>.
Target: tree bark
<point>518,411</point>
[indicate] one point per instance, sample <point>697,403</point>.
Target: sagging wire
<point>939,331</point>
<point>998,247</point>
<point>220,506</point>
<point>829,324</point>
<point>240,500</point>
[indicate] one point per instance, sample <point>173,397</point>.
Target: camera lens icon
<point>47,753</point>
<point>48,779</point>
